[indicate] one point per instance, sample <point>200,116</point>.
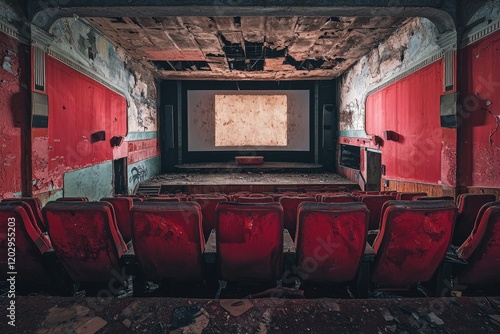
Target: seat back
<point>374,204</point>
<point>208,206</point>
<point>168,240</point>
<point>249,241</point>
<point>122,207</point>
<point>17,222</point>
<point>163,199</point>
<point>481,249</point>
<point>409,195</point>
<point>413,239</point>
<point>72,199</point>
<point>36,208</point>
<point>468,208</point>
<point>290,205</point>
<point>338,199</point>
<point>433,198</point>
<point>85,238</point>
<point>331,239</point>
<point>255,199</point>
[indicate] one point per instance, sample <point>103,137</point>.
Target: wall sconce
<point>391,135</point>
<point>98,136</point>
<point>116,141</point>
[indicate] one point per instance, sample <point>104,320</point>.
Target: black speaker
<point>168,127</point>
<point>449,110</point>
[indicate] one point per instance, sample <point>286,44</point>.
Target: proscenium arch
<point>443,13</point>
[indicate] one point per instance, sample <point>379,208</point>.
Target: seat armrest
<point>289,250</point>
<point>210,249</point>
<point>50,255</point>
<point>369,255</point>
<point>452,256</point>
<point>129,261</point>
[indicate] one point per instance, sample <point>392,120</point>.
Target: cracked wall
<point>64,156</point>
<point>82,44</point>
<point>13,109</point>
<point>480,113</point>
<point>408,46</point>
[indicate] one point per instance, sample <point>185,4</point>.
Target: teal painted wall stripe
<point>141,135</point>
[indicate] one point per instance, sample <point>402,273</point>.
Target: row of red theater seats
<point>468,207</point>
<point>331,241</point>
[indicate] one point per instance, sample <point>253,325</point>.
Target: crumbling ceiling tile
<point>257,47</point>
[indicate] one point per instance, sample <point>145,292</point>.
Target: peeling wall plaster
<point>93,182</point>
<point>12,14</point>
<point>408,46</point>
<point>14,94</point>
<point>490,11</point>
<point>83,45</point>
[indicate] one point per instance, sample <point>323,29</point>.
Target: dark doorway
<point>120,176</point>
<point>373,170</point>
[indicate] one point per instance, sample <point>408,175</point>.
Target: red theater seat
<point>482,248</point>
<point>255,199</point>
<point>409,196</point>
<point>208,206</point>
<point>290,205</point>
<point>36,208</point>
<point>30,244</point>
<point>433,198</point>
<point>468,208</point>
<point>331,237</point>
<point>72,199</point>
<point>337,199</point>
<point>163,199</point>
<point>249,241</point>
<point>168,240</point>
<point>122,207</point>
<point>86,239</point>
<point>413,240</point>
<point>374,203</point>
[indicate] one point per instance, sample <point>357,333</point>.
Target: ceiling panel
<point>247,48</point>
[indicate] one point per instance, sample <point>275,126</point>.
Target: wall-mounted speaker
<point>168,127</point>
<point>449,110</point>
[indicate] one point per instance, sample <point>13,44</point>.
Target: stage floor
<point>232,167</point>
<point>202,183</point>
<point>249,178</point>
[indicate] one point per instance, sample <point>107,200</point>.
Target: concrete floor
<point>47,315</point>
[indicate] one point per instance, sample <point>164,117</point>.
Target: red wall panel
<point>480,99</point>
<point>142,149</point>
<point>14,94</point>
<point>425,152</point>
<point>78,107</point>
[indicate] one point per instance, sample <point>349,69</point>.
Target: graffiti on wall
<point>138,174</point>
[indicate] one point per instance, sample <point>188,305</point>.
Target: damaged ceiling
<point>239,48</point>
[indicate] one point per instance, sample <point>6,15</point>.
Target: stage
<point>226,180</point>
<point>266,167</point>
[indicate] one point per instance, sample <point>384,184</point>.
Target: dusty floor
<point>44,315</point>
<point>248,178</point>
